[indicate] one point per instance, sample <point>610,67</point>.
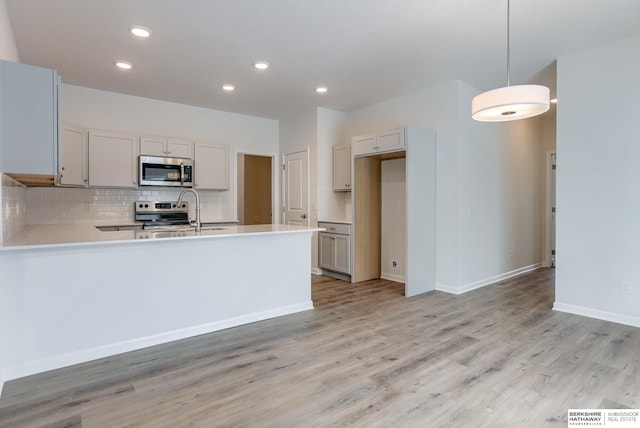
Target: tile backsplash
<point>14,207</point>
<point>57,205</point>
<point>114,206</point>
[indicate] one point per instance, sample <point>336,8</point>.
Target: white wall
<point>598,182</point>
<point>8,48</point>
<point>499,195</point>
<point>489,179</point>
<point>331,127</point>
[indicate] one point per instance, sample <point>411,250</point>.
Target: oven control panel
<point>161,207</point>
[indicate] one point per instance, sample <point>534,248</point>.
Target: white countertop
<point>65,235</point>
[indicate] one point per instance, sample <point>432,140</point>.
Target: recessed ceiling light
<point>124,65</point>
<point>228,87</point>
<point>140,31</point>
<point>554,100</point>
<point>321,89</point>
<point>261,65</point>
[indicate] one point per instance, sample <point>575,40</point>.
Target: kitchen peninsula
<point>71,294</point>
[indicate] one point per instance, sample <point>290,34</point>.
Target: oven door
<point>160,171</point>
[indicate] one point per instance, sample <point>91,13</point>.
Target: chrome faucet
<point>190,190</point>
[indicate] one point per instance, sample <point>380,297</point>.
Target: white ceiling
<point>365,51</point>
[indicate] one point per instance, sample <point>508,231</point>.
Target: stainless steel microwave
<point>164,171</point>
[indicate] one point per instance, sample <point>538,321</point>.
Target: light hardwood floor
<point>366,357</point>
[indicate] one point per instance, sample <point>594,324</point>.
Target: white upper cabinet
<point>159,146</point>
<point>383,142</point>
<point>391,141</point>
<point>211,165</point>
<point>153,146</point>
<point>113,159</point>
<point>28,119</point>
<point>364,144</point>
<point>73,156</point>
<point>342,168</point>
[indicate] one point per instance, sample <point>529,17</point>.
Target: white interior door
<point>296,189</point>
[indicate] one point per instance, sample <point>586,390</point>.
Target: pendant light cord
<point>508,50</point>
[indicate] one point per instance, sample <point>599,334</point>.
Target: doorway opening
<point>255,189</point>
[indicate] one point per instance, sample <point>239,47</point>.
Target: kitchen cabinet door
<point>364,145</point>
<point>211,165</point>
<point>73,157</point>
<point>371,144</point>
<point>335,252</point>
<point>391,140</point>
<point>113,159</point>
<point>342,249</point>
<point>29,122</point>
<point>326,253</point>
<point>152,146</point>
<point>335,247</point>
<point>159,146</point>
<point>180,149</point>
<point>342,168</point>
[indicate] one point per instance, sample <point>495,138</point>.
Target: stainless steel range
<point>159,214</point>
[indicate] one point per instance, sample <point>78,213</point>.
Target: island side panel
<point>75,304</point>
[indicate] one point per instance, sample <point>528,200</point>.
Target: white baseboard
<point>597,314</point>
<point>59,361</point>
<point>488,281</point>
<point>392,277</point>
<point>316,271</point>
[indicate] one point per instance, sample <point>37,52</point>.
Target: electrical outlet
<point>626,287</point>
<point>394,264</point>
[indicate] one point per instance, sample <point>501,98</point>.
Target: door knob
<point>303,215</point>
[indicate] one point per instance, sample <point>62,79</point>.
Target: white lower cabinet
<point>113,159</point>
<point>335,247</point>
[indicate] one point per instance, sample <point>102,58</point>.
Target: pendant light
<point>510,102</point>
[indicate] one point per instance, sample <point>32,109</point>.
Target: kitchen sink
<point>176,228</point>
<point>118,228</point>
